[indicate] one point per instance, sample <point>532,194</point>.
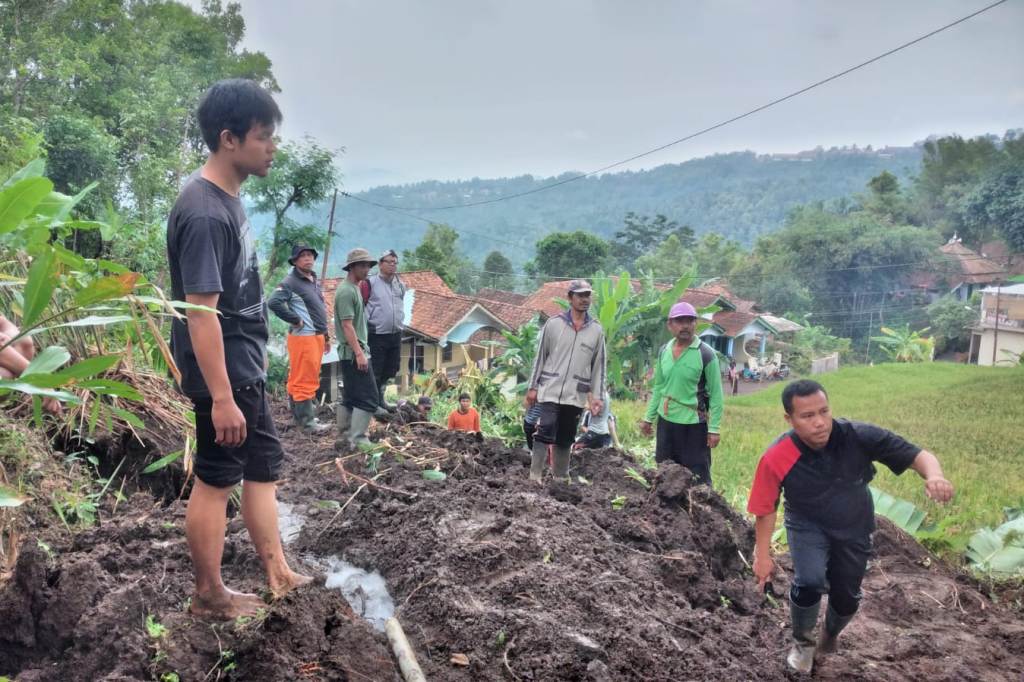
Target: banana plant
<point>904,345</point>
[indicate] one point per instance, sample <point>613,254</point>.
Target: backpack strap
<point>707,354</point>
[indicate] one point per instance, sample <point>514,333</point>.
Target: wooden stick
<point>345,473</point>
<point>411,670</point>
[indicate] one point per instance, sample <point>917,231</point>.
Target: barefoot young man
<point>824,466</point>
<point>222,357</point>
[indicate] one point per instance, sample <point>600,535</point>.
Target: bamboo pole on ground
<point>403,652</point>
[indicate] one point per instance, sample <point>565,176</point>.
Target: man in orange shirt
<point>465,418</point>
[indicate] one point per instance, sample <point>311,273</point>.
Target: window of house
<point>446,353</point>
<point>416,359</point>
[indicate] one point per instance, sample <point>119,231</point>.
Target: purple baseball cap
<point>682,309</point>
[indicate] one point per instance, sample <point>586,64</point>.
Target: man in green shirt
<point>361,396</point>
<point>686,398</point>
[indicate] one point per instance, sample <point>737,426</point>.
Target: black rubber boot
<point>801,656</point>
<point>538,460</point>
<point>834,624</point>
<point>561,465</point>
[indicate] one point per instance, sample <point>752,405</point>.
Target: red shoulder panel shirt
<point>829,487</point>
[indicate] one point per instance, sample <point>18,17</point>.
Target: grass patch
<point>969,416</point>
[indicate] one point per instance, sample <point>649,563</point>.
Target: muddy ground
<point>520,581</point>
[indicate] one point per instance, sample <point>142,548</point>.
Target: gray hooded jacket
<point>570,364</point>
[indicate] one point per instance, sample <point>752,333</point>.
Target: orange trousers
<point>305,354</point>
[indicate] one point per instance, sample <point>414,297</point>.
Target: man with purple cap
<point>568,376</point>
<point>686,397</point>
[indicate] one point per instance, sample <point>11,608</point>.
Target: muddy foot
<point>226,605</point>
<point>290,582</point>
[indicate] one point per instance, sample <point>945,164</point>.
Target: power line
<point>703,131</point>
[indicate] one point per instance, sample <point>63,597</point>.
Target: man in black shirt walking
<point>222,358</point>
<point>824,466</point>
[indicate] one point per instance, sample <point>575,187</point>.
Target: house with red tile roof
<point>444,330</point>
<point>958,271</point>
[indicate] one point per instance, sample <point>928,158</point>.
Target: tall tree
<point>640,234</point>
<point>439,252</point>
<point>569,254</point>
<point>498,271</point>
<point>717,256</point>
<point>669,261</point>
<point>996,204</point>
<point>303,175</point>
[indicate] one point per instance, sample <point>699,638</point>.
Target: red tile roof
<point>501,296</point>
<point>543,300</point>
<point>973,269</point>
<point>425,280</point>
<point>733,322</point>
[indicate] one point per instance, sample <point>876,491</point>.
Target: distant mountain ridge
<point>741,195</point>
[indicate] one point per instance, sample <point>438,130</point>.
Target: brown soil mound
<point>526,582</point>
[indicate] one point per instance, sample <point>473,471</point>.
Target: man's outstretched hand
<point>939,489</point>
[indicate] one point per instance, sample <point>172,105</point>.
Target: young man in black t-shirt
<point>222,358</point>
<point>824,466</point>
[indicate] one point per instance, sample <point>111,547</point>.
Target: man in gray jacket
<point>568,376</point>
<point>299,301</point>
<point>385,318</point>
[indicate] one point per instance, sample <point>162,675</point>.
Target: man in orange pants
<point>299,301</point>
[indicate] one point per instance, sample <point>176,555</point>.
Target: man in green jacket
<point>686,398</point>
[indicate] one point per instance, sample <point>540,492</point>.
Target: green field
<point>971,417</point>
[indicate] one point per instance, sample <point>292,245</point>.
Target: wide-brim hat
<point>358,255</point>
<point>298,249</point>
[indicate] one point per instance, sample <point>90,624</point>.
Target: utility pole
<point>330,233</point>
<point>867,346</point>
<point>995,335</point>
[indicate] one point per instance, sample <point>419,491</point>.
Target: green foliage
<point>950,168</point>
<point>439,251</point>
<point>903,345</point>
<point>303,175</point>
<point>124,76</point>
<point>638,477</point>
<point>639,234</point>
<point>999,551</point>
<point>671,260</point>
<point>901,512</point>
<point>520,351</point>
<point>951,320</point>
<point>497,272</point>
<point>619,501</point>
<point>153,628</point>
<point>814,342</point>
<point>576,254</point>
<point>996,203</point>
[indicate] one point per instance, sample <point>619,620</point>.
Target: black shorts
<point>360,388</point>
<point>385,355</point>
<point>557,424</point>
<point>594,441</point>
<point>257,459</point>
<point>685,444</point>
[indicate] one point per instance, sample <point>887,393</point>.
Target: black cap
<point>299,248</point>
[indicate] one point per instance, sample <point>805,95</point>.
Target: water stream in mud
<point>365,591</point>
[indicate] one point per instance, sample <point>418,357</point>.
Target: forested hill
<point>740,195</point>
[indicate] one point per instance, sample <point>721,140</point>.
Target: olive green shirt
<point>348,305</point>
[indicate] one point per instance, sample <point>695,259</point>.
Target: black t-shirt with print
<point>210,249</point>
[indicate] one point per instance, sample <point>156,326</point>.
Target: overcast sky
<point>451,89</point>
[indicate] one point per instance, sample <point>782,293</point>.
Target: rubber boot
<point>310,424</point>
<point>358,426</point>
<point>298,417</point>
<point>561,463</point>
<point>344,419</point>
<point>801,656</point>
<point>834,624</point>
<point>538,458</point>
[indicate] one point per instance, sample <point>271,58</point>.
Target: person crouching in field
<point>824,466</point>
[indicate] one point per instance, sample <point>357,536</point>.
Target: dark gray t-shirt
<point>210,249</point>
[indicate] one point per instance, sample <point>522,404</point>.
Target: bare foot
<point>225,605</point>
<point>291,580</point>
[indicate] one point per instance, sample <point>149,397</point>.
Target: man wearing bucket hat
<point>686,397</point>
<point>299,301</point>
<point>361,396</point>
<point>568,376</point>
